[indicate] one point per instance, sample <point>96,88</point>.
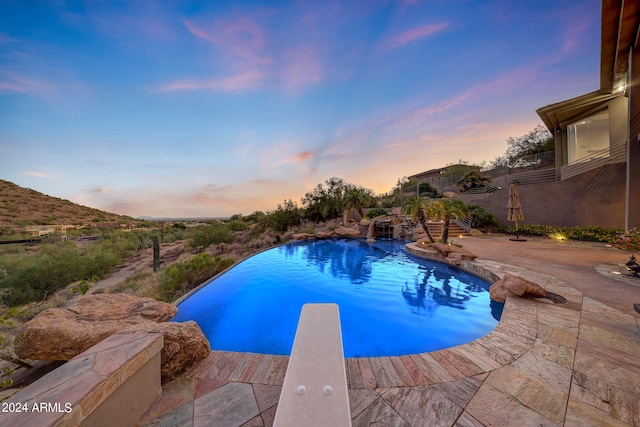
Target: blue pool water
<point>391,303</point>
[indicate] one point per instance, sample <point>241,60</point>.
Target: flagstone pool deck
<point>545,364</point>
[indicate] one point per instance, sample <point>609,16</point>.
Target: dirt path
<point>140,261</point>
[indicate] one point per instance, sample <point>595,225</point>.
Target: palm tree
<point>355,198</point>
<point>415,206</point>
<point>446,210</point>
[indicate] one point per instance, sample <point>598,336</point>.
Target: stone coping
<point>72,392</point>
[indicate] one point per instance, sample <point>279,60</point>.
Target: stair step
<point>435,228</point>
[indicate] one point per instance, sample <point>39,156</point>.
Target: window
<point>588,137</point>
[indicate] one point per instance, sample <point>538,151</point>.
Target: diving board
<point>315,384</point>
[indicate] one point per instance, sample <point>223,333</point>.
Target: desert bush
<point>133,284</point>
<point>287,215</point>
<point>34,276</point>
<point>255,217</point>
<point>207,235</point>
<point>237,225</point>
<point>181,277</point>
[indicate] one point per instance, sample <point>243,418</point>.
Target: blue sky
<point>210,108</point>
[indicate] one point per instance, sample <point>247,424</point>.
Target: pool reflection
<point>433,288</point>
<point>343,259</point>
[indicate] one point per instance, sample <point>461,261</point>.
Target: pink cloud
<point>300,157</point>
<point>253,57</point>
<point>203,201</point>
<point>575,34</point>
<point>242,38</point>
<point>248,80</point>
<point>15,82</point>
<point>36,174</point>
<point>409,36</point>
<point>302,67</point>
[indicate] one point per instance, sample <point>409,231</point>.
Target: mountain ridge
<point>21,207</point>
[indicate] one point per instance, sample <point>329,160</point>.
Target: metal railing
<point>477,193</point>
<point>616,153</point>
<point>523,164</point>
<point>464,223</point>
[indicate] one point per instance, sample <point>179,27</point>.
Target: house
<point>43,230</point>
<point>601,129</point>
<point>445,178</point>
<point>596,179</point>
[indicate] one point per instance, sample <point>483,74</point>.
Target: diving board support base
<point>314,392</point>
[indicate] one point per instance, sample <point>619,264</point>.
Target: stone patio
<point>572,364</point>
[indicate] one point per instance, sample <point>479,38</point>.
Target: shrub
<point>480,217</point>
<point>255,217</point>
<point>133,283</point>
<point>237,225</point>
<point>181,277</point>
<point>375,212</point>
<point>287,215</point>
<point>34,276</point>
<point>629,241</point>
<point>210,234</point>
<point>583,233</point>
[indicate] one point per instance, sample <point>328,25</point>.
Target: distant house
<point>445,177</point>
<point>43,230</point>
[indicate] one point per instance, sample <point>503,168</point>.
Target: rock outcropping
<point>347,231</point>
<point>62,333</point>
<point>517,286</point>
<point>453,254</point>
<point>184,345</point>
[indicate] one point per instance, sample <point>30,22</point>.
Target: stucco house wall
<point>593,198</point>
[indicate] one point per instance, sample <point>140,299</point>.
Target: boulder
<point>475,232</point>
<point>184,345</point>
<point>63,333</point>
<point>447,250</point>
<point>365,221</point>
<point>517,286</point>
<point>323,234</point>
<point>347,232</point>
<point>301,236</point>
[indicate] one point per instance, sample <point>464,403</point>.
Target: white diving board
<point>314,392</point>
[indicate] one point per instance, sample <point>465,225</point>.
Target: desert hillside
<point>21,207</point>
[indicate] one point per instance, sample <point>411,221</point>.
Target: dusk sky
<point>210,108</point>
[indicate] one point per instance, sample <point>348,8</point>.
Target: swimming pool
<point>391,303</point>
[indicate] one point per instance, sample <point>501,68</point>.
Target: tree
<point>481,217</point>
<point>356,197</point>
<point>332,199</point>
<point>472,179</point>
<point>427,190</point>
<point>415,206</point>
<point>287,215</point>
<point>324,202</point>
<point>446,210</point>
<point>538,140</point>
